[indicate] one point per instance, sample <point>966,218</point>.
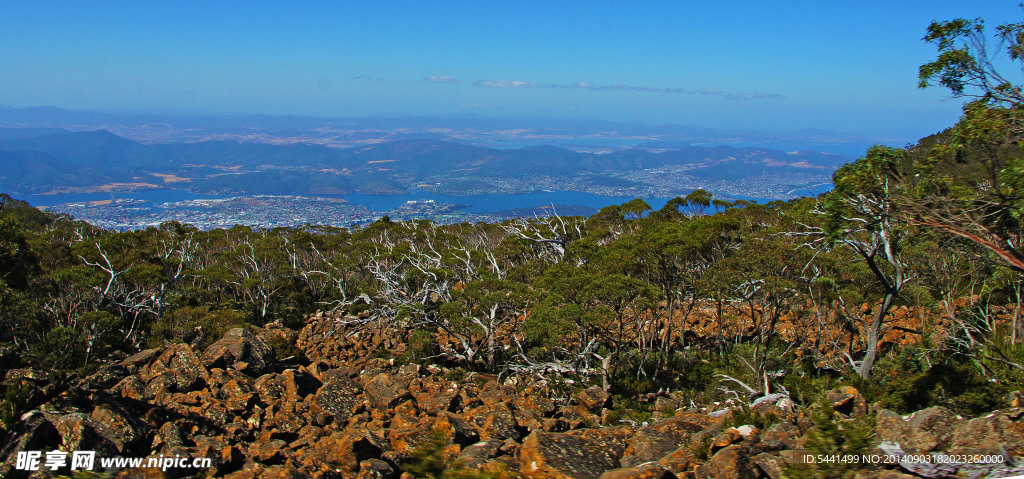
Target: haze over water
<point>847,66</point>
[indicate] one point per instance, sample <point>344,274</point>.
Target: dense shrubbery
<point>760,297</point>
<point>433,460</point>
<point>837,437</point>
<point>897,282</point>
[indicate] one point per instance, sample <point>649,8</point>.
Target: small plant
<point>429,460</point>
<point>628,410</point>
<point>432,461</point>
<point>283,348</point>
<point>840,442</point>
<point>702,449</point>
<point>422,346</point>
<point>953,382</point>
<point>455,374</point>
<point>748,416</point>
<point>13,404</point>
<point>198,326</point>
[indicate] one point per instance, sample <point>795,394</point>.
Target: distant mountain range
<point>40,160</point>
<point>575,134</point>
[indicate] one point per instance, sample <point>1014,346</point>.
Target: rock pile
<point>340,410</point>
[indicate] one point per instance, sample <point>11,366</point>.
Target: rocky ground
<point>339,408</point>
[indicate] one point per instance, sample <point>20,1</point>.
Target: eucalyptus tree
<point>762,282</point>
<point>969,180</point>
<point>19,276</point>
<point>483,314</point>
<point>258,266</point>
<point>673,254</point>
<point>586,319</point>
<point>862,216</point>
<point>967,183</point>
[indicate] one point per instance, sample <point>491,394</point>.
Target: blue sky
<point>847,66</point>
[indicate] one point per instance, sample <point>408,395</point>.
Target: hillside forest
<point>904,281</point>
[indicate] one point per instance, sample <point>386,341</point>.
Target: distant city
<point>130,171</point>
<point>265,211</point>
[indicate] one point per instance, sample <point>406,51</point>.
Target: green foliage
<point>482,310</point>
<point>836,437</point>
<point>867,175</point>
<point>422,347</point>
<point>697,372</point>
<point>626,409</point>
<point>61,349</point>
<point>908,383</point>
<point>584,307</point>
<point>198,326</point>
<point>17,261</point>
<point>749,416</point>
<point>429,460</point>
<point>455,374</point>
<point>702,449</point>
<point>433,461</point>
<point>283,348</point>
<point>964,63</point>
<point>13,405</point>
<point>969,182</point>
<point>807,382</point>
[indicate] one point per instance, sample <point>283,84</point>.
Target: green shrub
<point>62,349</point>
<point>954,383</point>
<point>198,326</point>
<point>626,409</point>
<point>835,437</point>
<point>284,348</point>
<point>422,346</point>
<point>702,449</point>
<point>432,461</point>
<point>691,372</point>
<point>455,374</point>
<point>13,404</point>
<point>807,381</point>
<point>744,416</point>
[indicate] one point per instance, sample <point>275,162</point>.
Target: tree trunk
<point>1016,314</point>
<point>666,338</point>
<point>873,333</point>
<point>490,348</point>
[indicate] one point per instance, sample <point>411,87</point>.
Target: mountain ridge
<point>389,167</point>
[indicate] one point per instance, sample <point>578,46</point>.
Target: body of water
<point>493,203</point>
<point>855,150</point>
<point>475,203</point>
<point>481,204</point>
<point>576,144</point>
<point>154,196</point>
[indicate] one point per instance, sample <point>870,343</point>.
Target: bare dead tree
<point>580,365</point>
<point>109,270</point>
<point>258,266</point>
<point>552,234</point>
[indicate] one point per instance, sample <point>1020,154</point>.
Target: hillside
<point>275,402</point>
<point>703,339</point>
<point>94,160</point>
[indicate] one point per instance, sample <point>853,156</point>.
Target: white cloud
<point>440,79</point>
<point>620,87</point>
<point>506,84</point>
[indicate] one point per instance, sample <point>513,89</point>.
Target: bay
<point>383,203</point>
<point>476,204</point>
